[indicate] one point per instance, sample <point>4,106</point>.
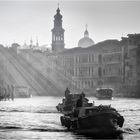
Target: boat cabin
<point>87,111</point>
<point>104,93</point>
<point>104,90</point>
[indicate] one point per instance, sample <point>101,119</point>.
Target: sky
<point>22,20</point>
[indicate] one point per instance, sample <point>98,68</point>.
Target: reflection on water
<point>37,118</point>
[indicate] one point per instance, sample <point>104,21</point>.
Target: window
<point>100,58</point>
<point>100,71</point>
<point>92,58</point>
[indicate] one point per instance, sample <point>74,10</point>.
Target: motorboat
<point>104,93</point>
<point>98,121</point>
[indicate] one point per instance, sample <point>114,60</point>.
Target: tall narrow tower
<point>58,33</point>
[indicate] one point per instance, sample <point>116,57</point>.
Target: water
<point>37,118</point>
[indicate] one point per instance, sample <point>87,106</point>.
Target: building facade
<point>110,63</point>
<point>99,65</point>
<point>131,45</point>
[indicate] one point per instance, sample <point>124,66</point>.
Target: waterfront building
<point>89,65</point>
<point>110,63</point>
<point>131,45</point>
<point>96,66</point>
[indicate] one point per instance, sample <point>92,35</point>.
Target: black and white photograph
<point>69,69</point>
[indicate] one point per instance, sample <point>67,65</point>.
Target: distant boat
<point>104,93</point>
<point>22,91</point>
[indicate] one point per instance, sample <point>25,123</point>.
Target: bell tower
<point>58,33</point>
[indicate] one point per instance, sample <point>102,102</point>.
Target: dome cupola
<point>85,41</point>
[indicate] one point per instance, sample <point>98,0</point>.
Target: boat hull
<point>104,124</point>
<point>101,133</point>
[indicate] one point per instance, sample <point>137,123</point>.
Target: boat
<point>102,121</point>
<point>104,93</point>
<point>22,91</point>
<point>97,121</point>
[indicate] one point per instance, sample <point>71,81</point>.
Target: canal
<point>37,118</point>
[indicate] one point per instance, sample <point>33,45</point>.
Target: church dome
<point>85,41</point>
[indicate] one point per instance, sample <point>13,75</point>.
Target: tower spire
<point>58,32</point>
<point>58,4</point>
<point>86,34</point>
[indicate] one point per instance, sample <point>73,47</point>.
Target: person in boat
<point>63,101</point>
<point>68,98</point>
<point>80,101</point>
<point>83,94</point>
<point>85,100</point>
<point>67,92</point>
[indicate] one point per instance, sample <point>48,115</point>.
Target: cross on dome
<point>86,34</point>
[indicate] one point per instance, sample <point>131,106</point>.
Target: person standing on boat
<point>83,94</point>
<point>80,102</point>
<point>84,99</point>
<point>67,92</point>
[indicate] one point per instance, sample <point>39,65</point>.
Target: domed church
<point>85,41</point>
